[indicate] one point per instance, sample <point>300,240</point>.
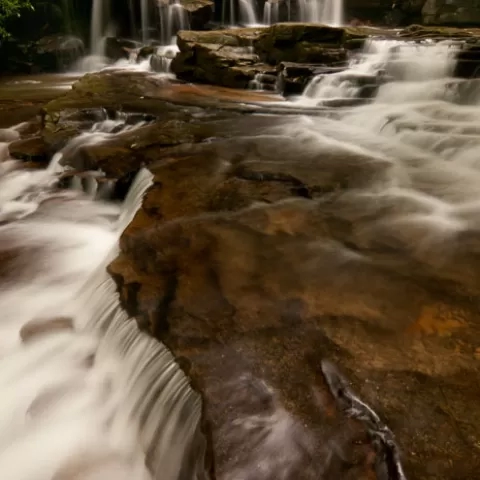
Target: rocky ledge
<point>259,262</point>
<point>286,56</point>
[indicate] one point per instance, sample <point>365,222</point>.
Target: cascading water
<point>172,18</point>
<point>328,12</point>
<point>239,11</point>
<point>85,394</point>
<point>386,64</point>
<point>270,12</point>
<point>421,122</point>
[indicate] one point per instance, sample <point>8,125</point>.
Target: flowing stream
<point>85,395</point>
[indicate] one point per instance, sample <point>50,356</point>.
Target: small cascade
<point>85,394</point>
<point>383,65</point>
<point>161,60</point>
<point>264,81</point>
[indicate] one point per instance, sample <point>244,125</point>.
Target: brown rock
<point>31,149</point>
<point>255,262</point>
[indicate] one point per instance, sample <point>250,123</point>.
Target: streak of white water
<point>328,12</point>
<point>172,18</point>
<point>102,401</point>
<point>270,13</point>
<point>97,26</point>
<point>248,15</point>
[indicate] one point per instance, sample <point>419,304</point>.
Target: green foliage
<point>8,9</point>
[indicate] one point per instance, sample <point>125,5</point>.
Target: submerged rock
<point>37,328</point>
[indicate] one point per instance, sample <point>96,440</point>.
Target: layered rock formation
<point>255,258</point>
<point>294,52</point>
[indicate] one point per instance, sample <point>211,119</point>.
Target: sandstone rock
<point>96,94</point>
<point>31,149</point>
<point>254,259</point>
<point>302,43</point>
<point>223,57</point>
<point>199,12</point>
<point>234,57</point>
<point>237,57</point>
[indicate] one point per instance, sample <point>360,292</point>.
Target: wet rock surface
<point>235,58</point>
<point>254,260</point>
<point>260,253</point>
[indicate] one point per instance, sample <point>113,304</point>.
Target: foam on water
<point>101,401</point>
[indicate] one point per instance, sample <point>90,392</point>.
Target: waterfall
<point>270,12</point>
<point>328,12</point>
<point>85,394</point>
<point>97,26</point>
<point>172,18</point>
<point>332,13</point>
<point>144,17</point>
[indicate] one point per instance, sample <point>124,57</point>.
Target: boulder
<point>219,57</point>
<point>255,259</point>
<point>235,57</point>
<point>33,149</point>
<point>199,12</point>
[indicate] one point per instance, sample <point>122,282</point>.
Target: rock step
<point>297,52</point>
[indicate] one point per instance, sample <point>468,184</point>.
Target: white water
<point>99,402</point>
<point>172,18</point>
<point>407,66</point>
<point>270,12</point>
<point>421,129</point>
<point>328,12</point>
<point>96,27</point>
